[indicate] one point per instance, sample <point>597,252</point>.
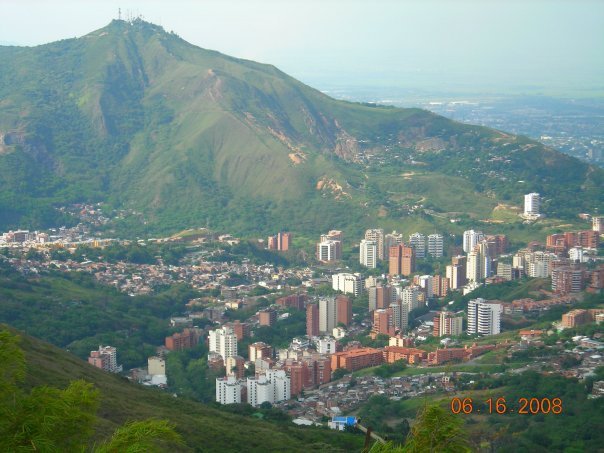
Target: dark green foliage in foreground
<point>435,430</point>
<point>578,428</point>
<point>48,419</point>
<point>203,428</point>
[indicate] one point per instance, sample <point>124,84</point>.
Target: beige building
<point>156,366</point>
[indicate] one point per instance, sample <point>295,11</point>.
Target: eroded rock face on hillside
<point>332,187</point>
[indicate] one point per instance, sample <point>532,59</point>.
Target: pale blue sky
<point>491,44</point>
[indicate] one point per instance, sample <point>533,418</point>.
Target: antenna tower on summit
<point>119,14</point>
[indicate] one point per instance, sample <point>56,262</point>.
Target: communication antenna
<point>119,14</point>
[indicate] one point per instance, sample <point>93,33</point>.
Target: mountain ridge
<point>138,117</point>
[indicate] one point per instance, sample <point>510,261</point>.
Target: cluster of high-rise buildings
<point>401,257</point>
<point>447,323</point>
<point>272,386</point>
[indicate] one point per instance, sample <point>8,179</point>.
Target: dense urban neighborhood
<point>319,338</point>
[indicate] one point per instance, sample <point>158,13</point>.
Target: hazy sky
<point>503,44</point>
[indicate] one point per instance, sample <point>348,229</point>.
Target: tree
<point>435,431</point>
<point>50,419</point>
<point>141,436</point>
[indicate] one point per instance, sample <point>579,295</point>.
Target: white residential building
<point>377,235</point>
<point>417,242</point>
<point>329,251</point>
<point>223,341</point>
<point>474,266</point>
<point>410,297</point>
<point>326,345</point>
<point>272,387</point>
<point>539,264</point>
<point>327,315</point>
<point>597,224</point>
<point>347,283</point>
<point>531,205</point>
<point>435,245</point>
<point>400,315</point>
<point>484,317</point>
<point>368,253</point>
<point>426,282</point>
<point>578,254</point>
<point>470,239</point>
<point>228,390</point>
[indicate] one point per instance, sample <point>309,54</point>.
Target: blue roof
<point>347,420</point>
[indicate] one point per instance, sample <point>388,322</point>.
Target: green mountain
<point>141,119</point>
<point>202,427</point>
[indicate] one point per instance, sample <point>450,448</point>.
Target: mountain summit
<point>137,117</point>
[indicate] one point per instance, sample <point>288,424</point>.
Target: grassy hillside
<point>135,116</point>
<point>203,428</point>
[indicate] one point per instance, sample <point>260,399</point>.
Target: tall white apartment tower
<point>329,251</point>
<point>377,235</point>
<point>272,387</point>
<point>435,245</point>
<point>327,315</point>
<point>474,265</point>
<point>470,239</point>
<point>347,283</point>
<point>369,253</point>
<point>410,297</point>
<point>223,341</point>
<point>484,317</point>
<point>417,241</point>
<point>400,315</point>
<point>531,205</point>
<point>228,390</point>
